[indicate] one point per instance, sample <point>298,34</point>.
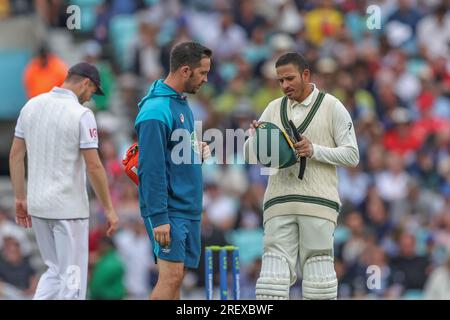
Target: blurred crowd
<point>393,76</point>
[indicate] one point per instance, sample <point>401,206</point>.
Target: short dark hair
<point>293,58</point>
<point>188,54</point>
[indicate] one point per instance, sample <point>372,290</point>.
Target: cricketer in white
<point>59,137</point>
<point>300,215</point>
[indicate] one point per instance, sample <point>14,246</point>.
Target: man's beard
<point>192,91</point>
<point>301,90</point>
<point>191,88</point>
<point>82,98</point>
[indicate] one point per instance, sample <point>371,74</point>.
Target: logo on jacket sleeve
<point>181,118</point>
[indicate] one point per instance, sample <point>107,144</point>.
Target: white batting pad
<point>274,279</point>
<point>319,279</point>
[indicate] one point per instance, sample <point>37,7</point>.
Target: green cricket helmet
<point>273,147</point>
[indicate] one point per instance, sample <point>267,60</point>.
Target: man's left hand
<point>304,148</point>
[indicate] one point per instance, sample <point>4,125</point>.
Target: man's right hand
<point>253,127</point>
<point>162,234</point>
<point>113,221</point>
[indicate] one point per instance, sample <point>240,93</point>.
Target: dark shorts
<point>185,242</point>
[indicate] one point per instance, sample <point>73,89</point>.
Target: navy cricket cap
<point>88,70</point>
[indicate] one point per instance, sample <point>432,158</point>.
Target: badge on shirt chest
<point>181,118</point>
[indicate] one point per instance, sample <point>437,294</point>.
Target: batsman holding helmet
<point>301,210</point>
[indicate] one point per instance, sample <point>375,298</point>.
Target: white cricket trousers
<point>298,237</point>
<point>64,248</point>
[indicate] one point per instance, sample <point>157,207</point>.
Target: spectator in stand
<point>355,244</point>
<point>17,277</point>
<point>92,54</point>
<point>107,280</point>
<point>392,183</point>
<point>425,169</point>
<point>382,288</point>
<point>44,72</point>
<point>401,25</point>
<point>248,17</point>
<point>399,139</point>
<point>11,229</point>
<point>353,185</point>
<point>409,270</point>
<point>230,38</point>
<point>406,85</point>
<point>323,22</point>
<point>428,123</point>
<point>145,53</point>
<point>50,11</point>
<point>375,159</point>
<point>268,90</point>
<point>438,25</point>
<point>377,216</point>
<point>134,247</point>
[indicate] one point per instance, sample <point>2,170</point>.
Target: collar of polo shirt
<point>305,103</point>
<point>65,91</point>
